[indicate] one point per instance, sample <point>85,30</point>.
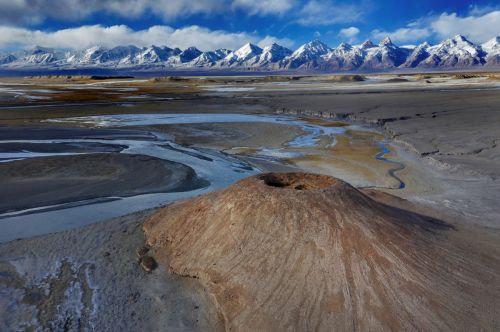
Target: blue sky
<point>209,24</point>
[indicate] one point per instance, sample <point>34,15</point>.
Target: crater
<point>298,181</point>
<point>277,246</point>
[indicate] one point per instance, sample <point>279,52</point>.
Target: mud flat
<point>449,140</point>
<point>229,135</point>
<point>47,181</point>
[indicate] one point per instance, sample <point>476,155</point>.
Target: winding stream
<point>392,172</point>
<point>217,167</point>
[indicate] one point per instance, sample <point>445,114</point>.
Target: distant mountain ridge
<point>456,52</point>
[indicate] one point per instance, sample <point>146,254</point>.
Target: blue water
<point>392,171</point>
<point>214,166</point>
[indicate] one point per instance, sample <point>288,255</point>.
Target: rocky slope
<point>457,52</point>
<point>301,252</point>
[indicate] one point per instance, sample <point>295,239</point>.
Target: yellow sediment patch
<point>86,90</point>
<point>325,123</point>
<point>352,158</point>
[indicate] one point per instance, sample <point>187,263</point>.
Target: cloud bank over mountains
<point>476,27</point>
<point>87,36</point>
<point>212,24</point>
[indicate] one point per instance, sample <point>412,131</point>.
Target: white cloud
<point>264,7</point>
<point>269,40</point>
<point>91,35</point>
<point>349,32</point>
<point>475,10</point>
<point>403,34</point>
<point>479,27</point>
<point>171,9</point>
<point>35,11</point>
<point>327,12</point>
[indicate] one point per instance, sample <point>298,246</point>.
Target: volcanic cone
<point>304,252</point>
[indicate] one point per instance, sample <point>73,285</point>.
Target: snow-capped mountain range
<point>456,52</point>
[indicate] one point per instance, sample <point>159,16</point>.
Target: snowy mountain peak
<point>95,49</point>
<point>457,44</point>
<point>417,55</point>
<point>275,48</point>
<point>455,52</point>
<point>367,44</point>
<point>306,55</point>
<point>495,40</point>
<point>206,59</point>
<point>247,55</point>
<point>248,50</point>
<point>315,46</point>
<point>460,39</point>
<point>222,52</point>
<point>38,50</point>
<point>189,54</point>
<point>176,51</point>
<point>153,54</point>
<point>273,53</point>
<point>424,45</point>
<point>386,42</point>
<point>92,55</point>
<point>6,59</point>
<point>344,47</point>
<point>191,49</point>
<point>492,45</point>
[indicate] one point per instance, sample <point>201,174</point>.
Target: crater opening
<point>297,181</point>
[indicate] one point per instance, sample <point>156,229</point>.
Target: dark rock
<point>148,263</point>
<point>141,251</point>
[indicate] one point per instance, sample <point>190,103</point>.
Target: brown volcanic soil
<point>306,252</point>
